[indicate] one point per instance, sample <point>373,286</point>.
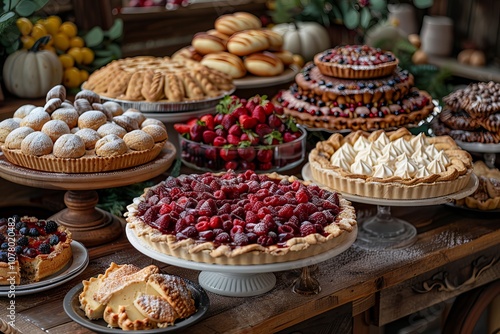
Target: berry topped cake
<point>321,98</point>
<point>240,219</point>
<point>391,165</point>
<point>356,62</point>
<point>32,249</point>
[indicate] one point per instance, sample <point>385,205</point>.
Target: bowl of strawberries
<point>243,134</point>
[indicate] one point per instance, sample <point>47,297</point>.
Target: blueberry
<point>54,239</point>
<point>391,83</point>
<point>20,225</point>
<point>16,218</point>
<point>3,256</point>
<point>50,226</point>
<point>329,85</point>
<point>4,245</point>
<point>44,248</point>
<point>340,87</point>
<point>24,231</point>
<point>34,232</point>
<point>30,252</point>
<point>371,85</point>
<point>22,241</point>
<point>19,249</point>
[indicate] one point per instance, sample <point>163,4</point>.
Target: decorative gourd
<point>32,73</point>
<point>304,38</point>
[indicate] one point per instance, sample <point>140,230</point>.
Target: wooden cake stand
<point>88,224</point>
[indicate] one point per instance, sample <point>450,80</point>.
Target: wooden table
<point>456,251</point>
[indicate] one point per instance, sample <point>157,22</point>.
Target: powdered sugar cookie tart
<point>240,219</point>
<point>393,165</point>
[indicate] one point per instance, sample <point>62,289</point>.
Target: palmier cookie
<point>139,140</point>
<point>231,23</point>
<point>135,114</point>
<point>492,123</point>
<point>35,119</point>
<point>150,121</point>
<point>69,146</point>
<point>37,143</point>
<point>52,105</point>
<point>16,136</point>
<point>264,64</point>
<point>247,42</point>
<point>110,145</point>
<point>126,122</point>
<point>205,43</point>
<point>67,115</point>
<point>55,129</point>
<point>225,62</point>
<point>458,120</point>
<point>58,91</point>
<point>24,110</point>
<point>6,126</point>
<point>89,137</point>
<point>111,128</point>
<point>91,119</point>
<point>156,131</point>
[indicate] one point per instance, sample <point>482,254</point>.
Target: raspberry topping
<point>357,55</point>
<point>238,209</point>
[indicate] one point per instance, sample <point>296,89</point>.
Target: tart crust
<point>454,178</point>
<point>207,252</point>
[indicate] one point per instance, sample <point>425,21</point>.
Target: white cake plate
<point>244,280</point>
<point>489,151</point>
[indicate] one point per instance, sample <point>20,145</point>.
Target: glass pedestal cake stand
<point>384,231</point>
<point>89,225</point>
<point>247,280</point>
<point>489,151</point>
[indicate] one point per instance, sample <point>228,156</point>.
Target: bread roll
<point>231,23</point>
<point>275,39</point>
<point>55,128</point>
<point>285,56</point>
<point>139,140</point>
<point>205,43</point>
<point>36,143</point>
<point>247,42</point>
<point>69,146</point>
<point>225,62</point>
<point>16,136</point>
<point>264,64</point>
<point>6,126</point>
<point>110,146</point>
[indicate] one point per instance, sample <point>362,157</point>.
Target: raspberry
<point>208,208</point>
<point>318,218</point>
<point>319,228</point>
<point>251,217</point>
<point>225,208</point>
<point>307,228</point>
<point>253,187</point>
<point>263,212</point>
<point>206,235</point>
<point>149,216</point>
<point>50,226</point>
<point>301,212</point>
<point>202,226</point>
<point>252,237</point>
<point>282,237</point>
<point>214,185</point>
<point>286,229</point>
<point>219,194</point>
<point>239,222</point>
<point>180,225</point>
<point>142,207</point>
<point>215,222</point>
<point>227,225</point>
<point>302,196</point>
<point>190,232</point>
<point>257,206</point>
<point>260,229</point>
<point>262,194</point>
<point>240,239</point>
<point>236,229</point>
<point>239,213</point>
<point>44,248</point>
<point>222,238</point>
<point>286,211</point>
<point>165,208</point>
<point>163,222</point>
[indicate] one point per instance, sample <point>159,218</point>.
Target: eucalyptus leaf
<point>344,6</point>
<point>100,62</point>
<point>378,4</point>
<point>116,30</point>
<point>25,8</point>
<point>7,16</point>
<point>40,3</point>
<point>94,37</point>
<point>103,53</point>
<point>13,47</point>
<point>115,50</point>
<point>351,19</point>
<point>423,3</point>
<point>365,17</point>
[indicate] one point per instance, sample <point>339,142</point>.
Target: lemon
<point>66,60</point>
<point>71,77</point>
<point>38,31</point>
<point>28,41</point>
<point>24,25</point>
<point>76,41</point>
<point>61,41</point>
<point>48,48</point>
<point>76,53</point>
<point>87,55</point>
<point>84,75</point>
<point>52,24</point>
<point>68,28</point>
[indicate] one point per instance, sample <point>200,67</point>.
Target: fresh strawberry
<point>181,128</point>
<point>274,121</point>
<point>289,136</point>
<point>233,139</point>
<point>218,119</point>
<point>248,122</point>
<point>210,153</point>
<point>251,137</point>
<point>231,165</point>
<point>263,129</point>
<point>192,121</point>
<point>239,112</point>
<point>227,104</point>
<point>268,108</point>
<point>208,136</point>
<point>279,110</point>
<point>259,114</point>
<point>228,121</point>
<point>220,131</point>
<point>219,141</point>
<point>228,153</point>
<point>208,119</point>
<point>196,132</point>
<point>235,130</point>
<point>265,165</point>
<point>247,165</point>
<point>273,138</point>
<point>246,152</point>
<point>264,155</point>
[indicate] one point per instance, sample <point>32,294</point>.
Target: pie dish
<point>487,195</point>
<point>391,165</point>
<point>239,219</point>
<point>133,298</point>
<point>38,248</point>
<point>356,62</point>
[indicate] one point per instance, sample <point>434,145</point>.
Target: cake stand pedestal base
<point>88,224</point>
<point>237,285</point>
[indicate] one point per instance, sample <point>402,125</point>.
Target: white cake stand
<point>244,280</point>
<point>489,151</point>
<point>383,231</point>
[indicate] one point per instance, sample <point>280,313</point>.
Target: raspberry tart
<point>391,165</point>
<point>356,62</point>
<point>240,218</point>
<point>40,248</point>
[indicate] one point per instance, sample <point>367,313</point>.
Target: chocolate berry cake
<point>38,247</point>
<point>240,219</point>
<point>329,100</point>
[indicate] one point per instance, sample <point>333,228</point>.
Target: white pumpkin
<point>304,38</point>
<point>32,73</point>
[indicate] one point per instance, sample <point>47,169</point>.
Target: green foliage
<point>115,200</point>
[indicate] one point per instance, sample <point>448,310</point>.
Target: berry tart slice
<point>240,219</point>
<point>356,62</point>
<point>32,248</point>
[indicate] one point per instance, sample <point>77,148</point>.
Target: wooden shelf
<point>485,73</point>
